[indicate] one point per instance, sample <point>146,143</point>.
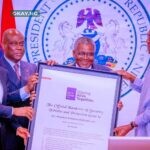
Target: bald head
<point>9,33</point>
<point>13,45</point>
<point>85,41</point>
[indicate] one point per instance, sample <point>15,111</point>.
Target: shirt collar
<point>11,62</point>
<point>81,67</point>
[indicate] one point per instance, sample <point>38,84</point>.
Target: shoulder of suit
<point>27,63</point>
<point>30,66</point>
<point>3,73</point>
<point>2,69</point>
<point>71,65</point>
<point>101,67</point>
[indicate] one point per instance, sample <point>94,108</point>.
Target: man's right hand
<point>23,133</point>
<point>24,112</point>
<point>122,130</point>
<point>33,79</point>
<point>32,97</point>
<point>51,62</point>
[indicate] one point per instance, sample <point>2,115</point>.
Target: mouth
<point>18,54</point>
<point>86,63</point>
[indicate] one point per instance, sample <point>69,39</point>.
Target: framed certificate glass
<point>76,109</point>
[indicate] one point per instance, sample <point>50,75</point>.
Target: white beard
<point>1,93</point>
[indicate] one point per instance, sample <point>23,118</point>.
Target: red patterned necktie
<point>16,67</point>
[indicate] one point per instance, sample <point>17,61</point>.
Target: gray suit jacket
<point>101,67</point>
<point>143,115</point>
<point>97,67</point>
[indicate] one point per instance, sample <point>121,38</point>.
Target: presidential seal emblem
<point>119,29</point>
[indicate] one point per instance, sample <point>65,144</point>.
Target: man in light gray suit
<point>141,124</point>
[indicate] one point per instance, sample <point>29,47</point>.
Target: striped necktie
<point>16,67</point>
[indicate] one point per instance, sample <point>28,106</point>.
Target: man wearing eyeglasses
<point>84,49</point>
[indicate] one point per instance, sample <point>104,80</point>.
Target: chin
<point>85,67</point>
<point>18,59</point>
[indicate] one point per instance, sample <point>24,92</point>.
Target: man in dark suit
<point>84,49</point>
<point>21,80</point>
<point>8,111</point>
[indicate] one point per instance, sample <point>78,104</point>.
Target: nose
<point>85,56</point>
<point>19,46</point>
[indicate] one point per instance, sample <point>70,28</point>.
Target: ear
<point>4,45</point>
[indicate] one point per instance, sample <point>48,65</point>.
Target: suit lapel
<point>11,73</point>
<point>25,72</point>
<point>3,81</point>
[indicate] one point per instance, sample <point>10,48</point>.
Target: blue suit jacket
<point>14,84</point>
<point>14,99</point>
<point>5,111</point>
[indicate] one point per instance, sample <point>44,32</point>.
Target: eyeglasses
<point>15,43</point>
<point>83,54</point>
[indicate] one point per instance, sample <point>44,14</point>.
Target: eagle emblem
<point>92,18</point>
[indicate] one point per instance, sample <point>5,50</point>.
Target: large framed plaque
<point>76,109</point>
